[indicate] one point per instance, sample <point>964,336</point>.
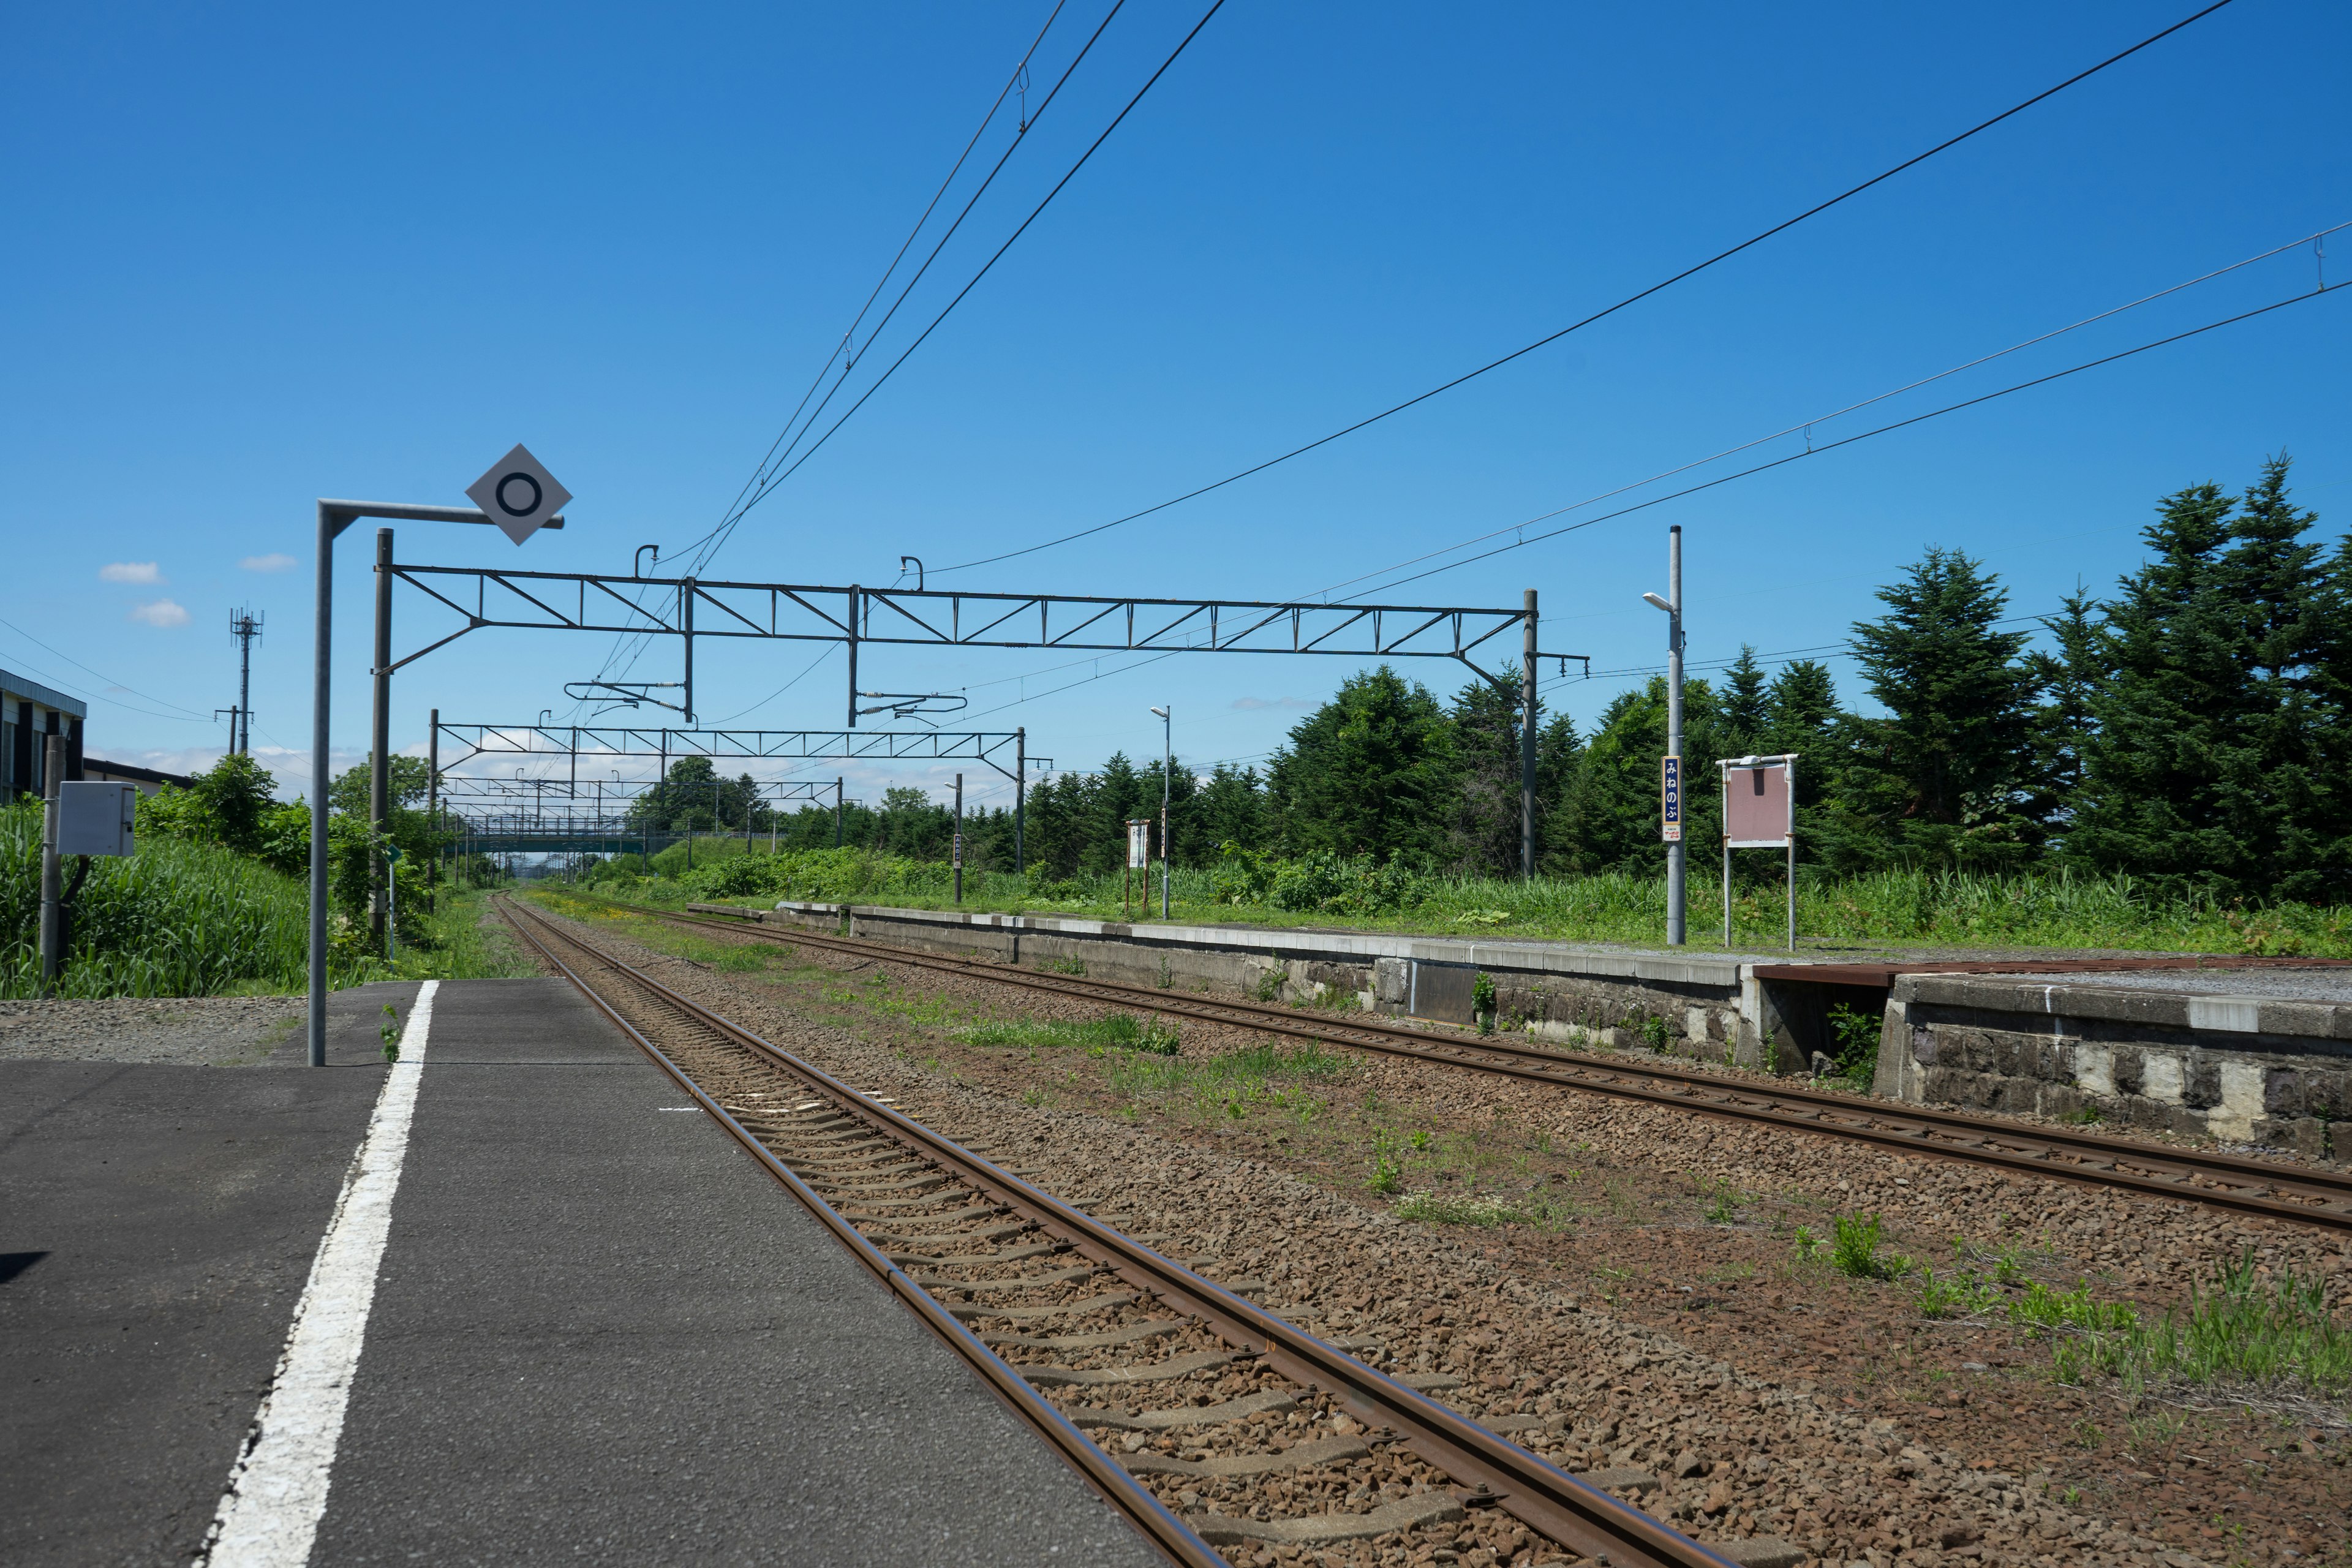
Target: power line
<point>755,486</point>
<point>1610,311</point>
<point>193,717</point>
<point>1726,479</point>
<point>1867,435</point>
<point>992,261</point>
<point>764,488</point>
<point>1807,425</point>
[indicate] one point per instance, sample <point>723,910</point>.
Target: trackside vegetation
<point>2166,767</point>
<point>215,900</point>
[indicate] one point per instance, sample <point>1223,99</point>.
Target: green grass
<point>2249,1335</point>
<point>1852,1249</point>
<point>463,945</point>
<point>178,918</point>
<point>1893,909</point>
<point>1234,1084</point>
<point>1459,1208</point>
<point>1120,1031</point>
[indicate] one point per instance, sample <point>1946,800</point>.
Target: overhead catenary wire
<point>629,646</point>
<point>1867,435</point>
<point>1806,424</point>
<point>1741,474</point>
<point>766,486</point>
<point>1605,311</point>
<point>986,266</point>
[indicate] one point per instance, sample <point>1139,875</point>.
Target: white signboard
<point>519,494</point>
<point>1139,844</point>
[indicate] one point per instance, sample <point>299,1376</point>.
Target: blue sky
<point>270,254</point>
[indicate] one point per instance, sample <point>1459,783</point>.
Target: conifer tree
<point>1372,771</point>
<point>1612,800</point>
<point>1944,777</point>
<point>1746,706</point>
<point>1487,816</point>
<point>2215,760</point>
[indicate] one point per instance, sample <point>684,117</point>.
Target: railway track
<point>2232,1182</point>
<point>1037,1293</point>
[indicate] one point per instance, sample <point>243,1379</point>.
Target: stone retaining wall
<point>2242,1069</point>
<point>1696,1005</point>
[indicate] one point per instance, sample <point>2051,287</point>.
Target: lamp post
<point>334,516</point>
<point>1167,771</point>
<point>1672,606</point>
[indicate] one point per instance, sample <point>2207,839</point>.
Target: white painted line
<point>277,1488</point>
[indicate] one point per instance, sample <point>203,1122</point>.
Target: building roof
<point>17,685</point>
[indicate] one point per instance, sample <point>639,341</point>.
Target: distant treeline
<point>2191,730</point>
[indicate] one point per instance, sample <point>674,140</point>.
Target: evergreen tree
<point>1801,710</point>
<point>1613,804</point>
<point>1945,776</point>
<point>2216,757</point>
<point>1745,705</point>
<point>2070,677</point>
<point>1230,809</point>
<point>1116,796</point>
<point>1486,814</point>
<point>1370,772</point>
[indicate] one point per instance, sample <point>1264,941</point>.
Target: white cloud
<point>161,613</point>
<point>273,561</point>
<point>142,571</point>
<point>1250,704</point>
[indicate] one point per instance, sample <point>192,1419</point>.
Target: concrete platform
<point>598,1333</point>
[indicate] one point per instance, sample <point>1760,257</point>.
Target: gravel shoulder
<point>185,1031</point>
<point>1656,1321</point>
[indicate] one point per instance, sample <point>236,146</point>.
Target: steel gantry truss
<point>689,608</point>
<point>597,742</point>
<point>593,743</point>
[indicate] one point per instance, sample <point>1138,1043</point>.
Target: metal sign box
<point>95,816</point>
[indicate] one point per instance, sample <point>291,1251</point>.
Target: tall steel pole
<point>1167,777</point>
<point>853,656</point>
<point>836,813</point>
<point>1527,741</point>
<point>379,738</point>
<point>433,806</point>
<point>1677,858</point>
<point>955,848</point>
<point>1020,797</point>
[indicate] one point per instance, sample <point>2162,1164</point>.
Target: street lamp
<point>1672,604</point>
<point>1167,771</point>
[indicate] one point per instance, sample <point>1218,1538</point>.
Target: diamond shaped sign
<point>519,494</point>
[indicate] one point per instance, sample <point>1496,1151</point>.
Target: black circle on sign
<point>518,511</point>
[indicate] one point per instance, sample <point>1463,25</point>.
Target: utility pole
<point>1527,742</point>
<point>53,773</point>
<point>433,808</point>
<point>1167,775</point>
<point>836,813</point>
<point>245,626</point>
<point>1672,606</point>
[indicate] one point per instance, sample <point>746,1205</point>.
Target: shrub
<point>178,918</point>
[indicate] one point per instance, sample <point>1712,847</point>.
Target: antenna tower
<point>245,626</point>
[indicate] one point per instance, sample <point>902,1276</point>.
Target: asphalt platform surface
<point>157,1223</point>
<point>600,1332</point>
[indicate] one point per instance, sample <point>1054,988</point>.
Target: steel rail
<point>1490,1470</point>
<point>2238,1184</point>
<point>1150,1517</point>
